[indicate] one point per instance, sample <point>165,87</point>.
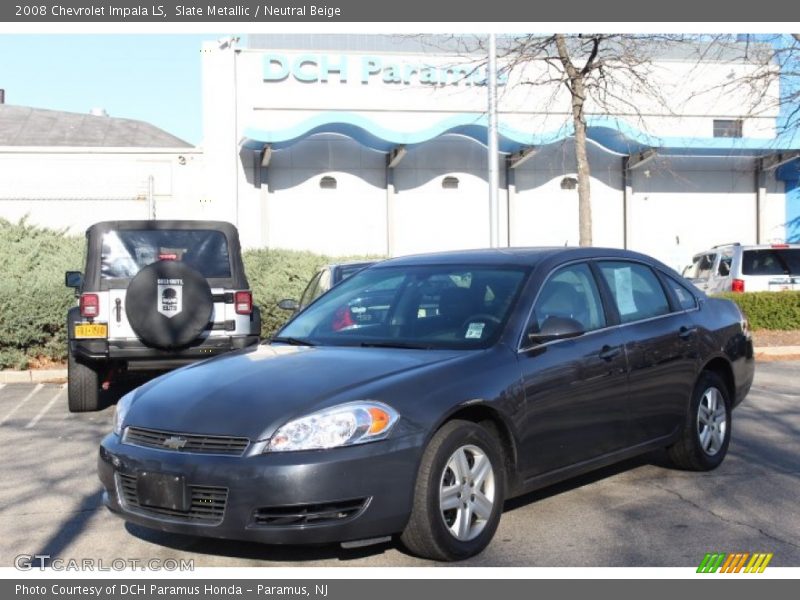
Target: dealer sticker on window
<point>474,331</point>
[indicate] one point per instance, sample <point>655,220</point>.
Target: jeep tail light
<point>90,305</point>
<point>737,285</point>
<point>243,301</point>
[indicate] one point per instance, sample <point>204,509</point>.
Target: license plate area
<point>163,490</point>
<point>91,330</point>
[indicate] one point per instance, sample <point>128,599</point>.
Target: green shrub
<point>33,299</point>
<point>769,310</point>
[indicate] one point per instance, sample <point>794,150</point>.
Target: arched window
<point>328,183</point>
<point>450,183</point>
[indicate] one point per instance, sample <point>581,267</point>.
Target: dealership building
<point>372,144</point>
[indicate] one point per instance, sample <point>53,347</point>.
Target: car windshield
<point>125,252</point>
<point>454,307</point>
<point>773,261</point>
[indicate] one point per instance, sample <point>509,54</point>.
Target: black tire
<point>160,288</point>
<point>83,387</point>
<point>427,533</point>
<point>689,452</point>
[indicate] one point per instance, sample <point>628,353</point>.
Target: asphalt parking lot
<point>640,513</point>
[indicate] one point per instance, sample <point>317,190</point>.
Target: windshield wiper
<point>404,345</point>
<point>293,341</point>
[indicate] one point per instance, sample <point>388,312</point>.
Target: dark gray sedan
<point>468,378</point>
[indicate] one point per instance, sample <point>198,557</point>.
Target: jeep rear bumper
<point>140,355</point>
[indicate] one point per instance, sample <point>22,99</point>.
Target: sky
<point>153,78</point>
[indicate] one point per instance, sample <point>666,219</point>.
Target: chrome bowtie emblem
<point>174,442</point>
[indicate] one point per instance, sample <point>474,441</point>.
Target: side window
<point>724,268</point>
<point>310,292</point>
<point>685,298</point>
<point>636,290</point>
<point>701,267</point>
<point>323,284</point>
<point>570,292</point>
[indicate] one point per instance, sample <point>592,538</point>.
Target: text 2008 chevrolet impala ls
<point>419,395</point>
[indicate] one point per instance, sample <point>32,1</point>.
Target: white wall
<point>74,188</point>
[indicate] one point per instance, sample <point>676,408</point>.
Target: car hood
<point>254,392</point>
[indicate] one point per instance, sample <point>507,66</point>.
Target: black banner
<point>497,11</point>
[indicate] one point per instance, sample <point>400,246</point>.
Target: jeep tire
<point>150,299</point>
<point>83,386</point>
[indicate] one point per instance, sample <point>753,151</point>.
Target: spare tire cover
<point>168,304</point>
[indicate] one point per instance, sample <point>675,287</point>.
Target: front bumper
<point>383,474</point>
<point>134,351</point>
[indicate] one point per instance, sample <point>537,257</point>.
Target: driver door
<point>575,389</point>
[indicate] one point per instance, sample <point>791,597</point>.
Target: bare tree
<point>606,74</point>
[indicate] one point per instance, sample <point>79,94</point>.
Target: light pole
<point>494,178</point>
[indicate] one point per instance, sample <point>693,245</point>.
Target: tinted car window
<point>725,261</point>
<point>125,252</point>
<point>701,266</point>
<point>685,298</point>
<point>636,290</point>
<point>572,293</point>
<point>444,306</point>
<point>771,262</point>
<point>311,290</point>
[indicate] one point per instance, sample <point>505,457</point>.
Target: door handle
<point>686,332</point>
<point>609,352</point>
<point>118,309</point>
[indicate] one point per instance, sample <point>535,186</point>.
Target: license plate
<point>163,490</point>
<point>91,330</point>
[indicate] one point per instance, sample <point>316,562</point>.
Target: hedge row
<point>34,301</point>
<point>769,310</point>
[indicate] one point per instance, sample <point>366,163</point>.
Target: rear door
<point>773,269</point>
<point>575,389</point>
<point>660,343</point>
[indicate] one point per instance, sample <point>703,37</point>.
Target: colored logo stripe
<point>733,563</point>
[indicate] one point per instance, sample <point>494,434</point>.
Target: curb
<point>34,376</point>
<point>777,351</point>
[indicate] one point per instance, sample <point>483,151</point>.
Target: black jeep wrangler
<point>155,295</point>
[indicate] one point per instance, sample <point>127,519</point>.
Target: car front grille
<point>308,514</point>
<point>207,506</point>
<point>186,442</point>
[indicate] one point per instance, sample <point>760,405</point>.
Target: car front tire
<point>707,431</point>
<point>83,387</point>
<point>459,494</point>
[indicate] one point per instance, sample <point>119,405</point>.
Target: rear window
<point>125,252</point>
<point>771,261</point>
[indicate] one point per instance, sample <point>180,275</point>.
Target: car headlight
<point>343,425</point>
<point>121,411</point>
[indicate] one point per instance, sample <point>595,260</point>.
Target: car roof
<point>512,256</point>
<point>775,246</point>
<point>103,226</point>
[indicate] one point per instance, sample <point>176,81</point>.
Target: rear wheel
<point>707,430</point>
<point>459,494</point>
<point>83,386</point>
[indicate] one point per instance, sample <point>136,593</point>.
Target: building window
<point>328,183</point>
<point>728,128</point>
<point>450,183</point>
<point>569,183</point>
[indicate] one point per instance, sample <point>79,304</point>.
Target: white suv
<point>155,295</point>
<point>737,268</point>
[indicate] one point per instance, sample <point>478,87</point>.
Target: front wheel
<point>707,430</point>
<point>459,494</point>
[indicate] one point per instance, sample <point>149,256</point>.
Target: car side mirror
<point>73,279</point>
<point>556,328</point>
<point>289,304</point>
